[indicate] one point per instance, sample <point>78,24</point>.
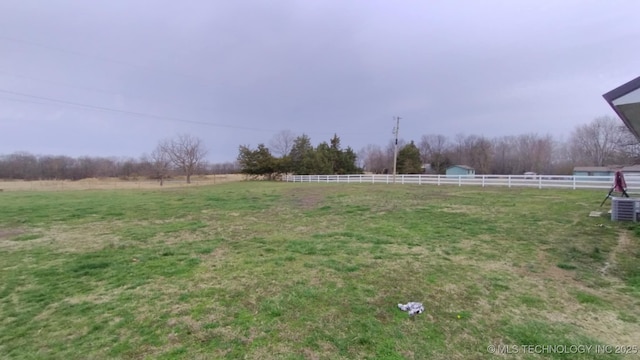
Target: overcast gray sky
<point>237,72</point>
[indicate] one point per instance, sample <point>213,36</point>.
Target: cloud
<point>492,67</point>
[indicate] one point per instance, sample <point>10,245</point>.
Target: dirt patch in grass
<point>624,243</point>
<point>8,233</point>
<point>92,298</point>
<point>115,183</point>
<point>64,239</point>
<point>306,198</point>
<point>552,271</point>
<point>463,209</point>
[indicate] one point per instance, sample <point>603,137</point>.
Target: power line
<point>129,96</point>
<point>121,62</point>
<point>73,52</point>
<point>133,113</point>
<point>20,76</point>
<point>109,92</point>
<point>97,57</point>
<point>40,100</point>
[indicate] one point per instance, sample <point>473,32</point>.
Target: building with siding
<point>593,171</point>
<point>631,170</point>
<point>460,170</point>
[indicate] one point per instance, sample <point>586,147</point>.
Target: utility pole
<point>395,151</point>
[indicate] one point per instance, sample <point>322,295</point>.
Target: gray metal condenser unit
<point>624,209</point>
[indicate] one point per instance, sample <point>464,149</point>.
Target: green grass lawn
<point>265,270</point>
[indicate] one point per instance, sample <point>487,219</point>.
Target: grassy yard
<point>313,271</point>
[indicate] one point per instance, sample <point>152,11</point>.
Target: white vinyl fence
<point>536,181</point>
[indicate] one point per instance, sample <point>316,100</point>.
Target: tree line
<point>182,155</point>
<point>603,141</point>
<point>298,156</point>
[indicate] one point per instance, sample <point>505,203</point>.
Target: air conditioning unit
<point>625,209</point>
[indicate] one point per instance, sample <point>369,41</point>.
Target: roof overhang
<point>625,101</point>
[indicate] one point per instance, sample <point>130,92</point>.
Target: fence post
<point>509,181</point>
<point>459,180</point>
<point>402,179</point>
<point>574,182</point>
<point>420,179</point>
<point>482,180</point>
<point>438,179</point>
<point>387,178</point>
<point>360,178</point>
<point>539,182</point>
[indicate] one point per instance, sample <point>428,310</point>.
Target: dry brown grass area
<point>7,233</point>
<point>306,198</point>
<point>114,183</point>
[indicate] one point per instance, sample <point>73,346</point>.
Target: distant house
<point>593,171</point>
<point>427,169</point>
<point>631,170</point>
<point>460,170</point>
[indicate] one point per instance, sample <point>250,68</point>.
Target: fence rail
<point>535,181</point>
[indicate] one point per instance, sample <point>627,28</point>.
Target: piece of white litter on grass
<point>595,214</point>
<point>412,308</point>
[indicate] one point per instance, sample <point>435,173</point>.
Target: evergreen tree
<point>302,156</point>
<point>257,162</point>
<point>409,161</point>
<point>348,162</point>
<point>324,159</point>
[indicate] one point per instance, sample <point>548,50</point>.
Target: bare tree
<point>281,143</point>
<point>55,167</point>
<point>534,153</point>
<point>628,145</point>
<point>596,143</point>
<point>225,168</point>
<point>430,145</point>
<point>160,163</point>
<point>459,150</point>
<point>480,153</point>
<point>373,159</point>
<point>505,155</point>
<point>562,162</point>
<point>186,152</point>
<point>543,154</point>
<point>433,150</point>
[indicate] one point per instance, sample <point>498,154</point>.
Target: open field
<point>267,270</point>
<point>114,183</point>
